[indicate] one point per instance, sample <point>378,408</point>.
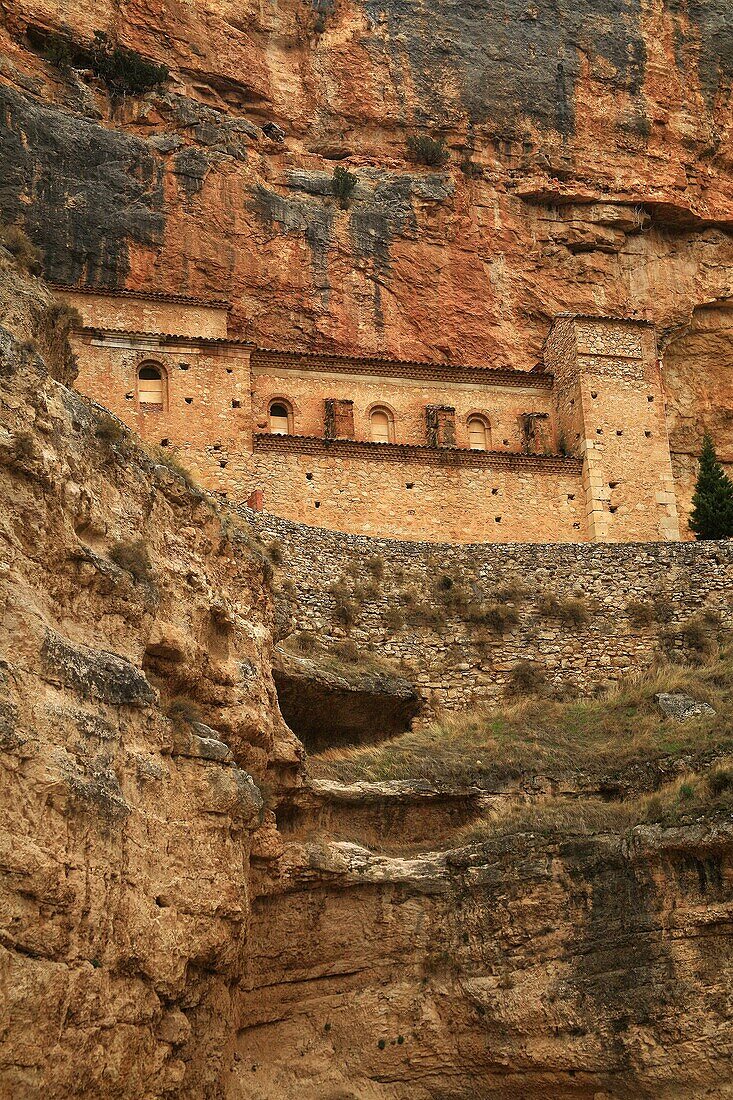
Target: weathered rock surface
<point>124,836</point>
<point>676,704</point>
<point>595,966</point>
<point>352,705</point>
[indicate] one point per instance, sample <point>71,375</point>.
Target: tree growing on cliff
<point>712,502</point>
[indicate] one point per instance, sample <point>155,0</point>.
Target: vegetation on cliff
<point>712,502</point>
<point>619,749</point>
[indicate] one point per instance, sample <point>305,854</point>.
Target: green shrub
<point>375,565</point>
<point>125,72</point>
<point>640,613</point>
<point>571,610</point>
<point>424,149</point>
<point>275,553</point>
<point>343,185</point>
<point>20,247</point>
<point>526,678</point>
<point>182,711</point>
<point>59,52</point>
<point>133,557</point>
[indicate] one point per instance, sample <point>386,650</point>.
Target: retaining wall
<point>408,614</point>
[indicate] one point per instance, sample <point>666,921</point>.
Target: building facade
<point>575,450</point>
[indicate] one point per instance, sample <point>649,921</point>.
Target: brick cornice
<point>264,443</point>
<point>385,367</point>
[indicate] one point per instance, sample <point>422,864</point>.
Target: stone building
<point>575,450</point>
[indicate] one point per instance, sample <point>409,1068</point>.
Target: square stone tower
<point>610,409</point>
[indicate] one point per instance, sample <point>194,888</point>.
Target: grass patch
<point>21,248</point>
<point>599,738</point>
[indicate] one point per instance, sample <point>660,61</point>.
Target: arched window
<point>280,418</point>
<point>381,426</point>
<point>151,387</point>
<point>478,433</point>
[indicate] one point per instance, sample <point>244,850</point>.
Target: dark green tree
<point>712,503</point>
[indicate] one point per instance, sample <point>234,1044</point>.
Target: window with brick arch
<point>151,387</point>
<point>381,426</point>
<point>478,434</point>
<point>280,418</point>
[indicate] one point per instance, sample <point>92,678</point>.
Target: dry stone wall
<point>463,618</point>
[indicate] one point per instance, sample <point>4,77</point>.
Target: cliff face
<point>595,966</point>
<point>590,164</point>
<point>136,704</point>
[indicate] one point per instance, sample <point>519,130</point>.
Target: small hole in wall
<point>410,485</point>
<point>494,492</point>
<point>411,511</point>
<point>188,400</point>
<point>309,477</point>
<point>577,435</point>
<point>236,404</point>
<point>165,442</point>
<point>183,366</point>
<point>572,402</point>
<point>599,431</point>
<point>576,527</point>
<point>619,432</point>
<point>648,435</point>
<point>613,509</point>
<point>223,462</point>
<point>318,504</point>
<point>506,442</point>
<point>129,396</point>
<point>594,395</point>
<point>571,496</point>
<point>613,485</point>
<point>216,447</point>
<point>229,370</point>
<point>650,397</point>
<point>497,519</point>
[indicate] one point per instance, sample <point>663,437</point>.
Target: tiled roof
<point>148,295</point>
<point>91,330</point>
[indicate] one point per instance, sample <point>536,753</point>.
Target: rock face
<point>125,833</point>
<point>523,968</point>
<point>589,165</point>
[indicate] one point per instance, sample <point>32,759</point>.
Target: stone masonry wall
<point>413,492</point>
<point>448,637</point>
